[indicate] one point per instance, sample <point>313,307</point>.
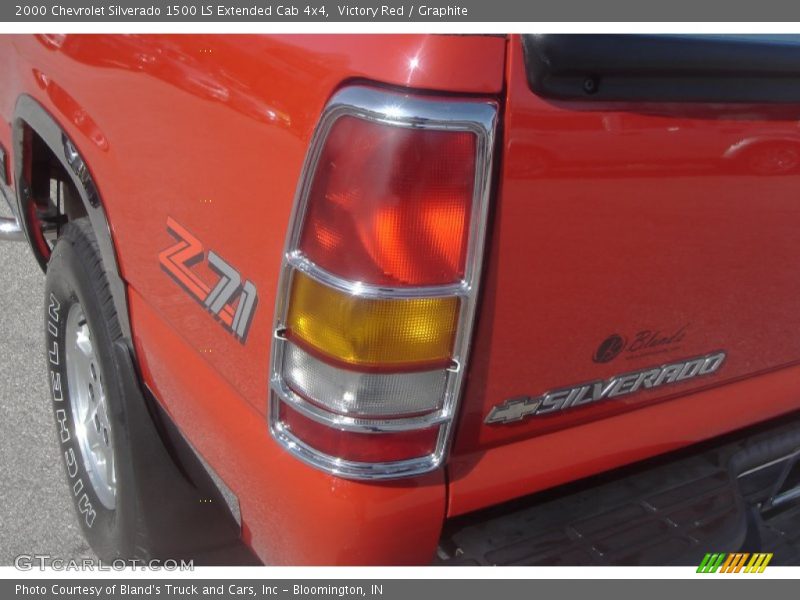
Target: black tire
<point>165,504</point>
<point>75,276</point>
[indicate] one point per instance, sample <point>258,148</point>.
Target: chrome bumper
<point>10,227</point>
<point>10,230</point>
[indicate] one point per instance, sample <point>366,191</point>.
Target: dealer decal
<point>735,562</point>
<point>558,400</point>
<point>220,298</point>
<point>642,343</point>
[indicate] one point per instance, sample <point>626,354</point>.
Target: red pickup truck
<point>416,299</point>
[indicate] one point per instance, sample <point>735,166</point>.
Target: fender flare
<point>29,113</point>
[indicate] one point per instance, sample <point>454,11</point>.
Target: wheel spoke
<point>91,413</point>
<point>95,444</point>
<point>111,480</point>
<point>83,341</point>
<point>88,406</point>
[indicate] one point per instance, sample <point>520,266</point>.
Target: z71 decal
<point>220,298</point>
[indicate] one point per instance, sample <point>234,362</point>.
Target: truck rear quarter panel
<point>211,131</point>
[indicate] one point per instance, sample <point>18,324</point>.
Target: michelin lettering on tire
<point>55,355</point>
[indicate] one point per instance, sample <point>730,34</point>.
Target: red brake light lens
<point>360,447</point>
<point>379,282</point>
<point>391,205</point>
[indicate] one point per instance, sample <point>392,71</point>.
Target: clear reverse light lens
<point>362,394</point>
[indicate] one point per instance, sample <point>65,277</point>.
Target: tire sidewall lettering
<point>70,451</point>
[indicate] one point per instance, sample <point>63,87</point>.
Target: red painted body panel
<point>618,219</point>
<point>212,131</point>
<point>607,219</point>
<point>484,478</point>
<point>293,514</point>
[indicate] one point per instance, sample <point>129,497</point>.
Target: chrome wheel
<point>89,407</point>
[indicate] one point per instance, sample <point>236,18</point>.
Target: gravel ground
<point>36,515</point>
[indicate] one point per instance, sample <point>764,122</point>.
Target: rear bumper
<point>737,494</point>
<point>10,228</point>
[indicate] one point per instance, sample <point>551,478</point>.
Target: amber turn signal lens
<point>384,333</point>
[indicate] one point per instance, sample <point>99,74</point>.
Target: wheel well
<point>50,177</point>
<point>55,185</point>
<point>53,199</point>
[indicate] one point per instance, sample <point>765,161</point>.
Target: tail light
<point>379,282</point>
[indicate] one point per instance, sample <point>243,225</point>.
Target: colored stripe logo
<point>734,562</point>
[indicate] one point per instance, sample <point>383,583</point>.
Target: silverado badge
<point>521,407</point>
